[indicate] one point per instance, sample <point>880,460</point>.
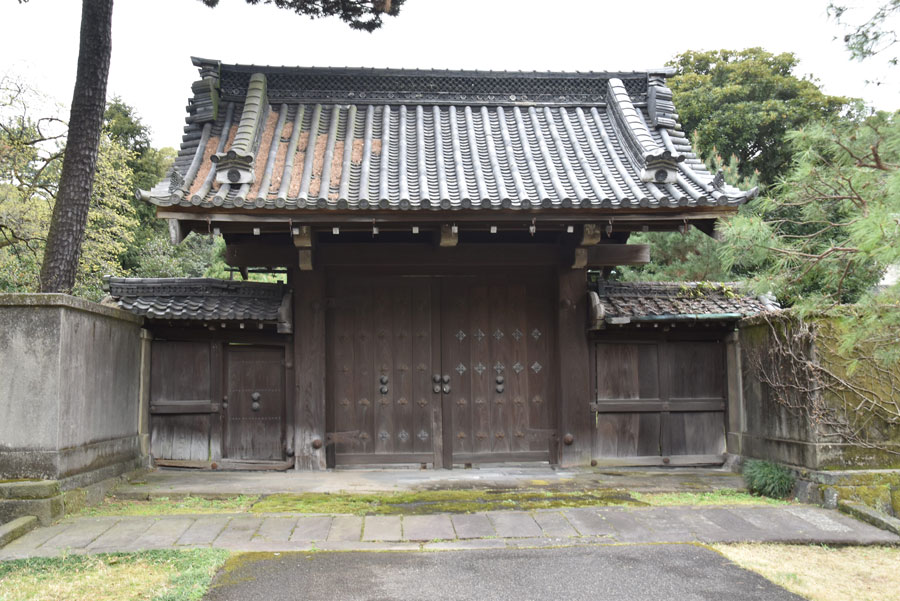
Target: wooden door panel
<point>379,370</point>
<point>181,376</point>
<point>627,435</point>
<point>255,390</point>
<point>658,400</point>
<point>496,346</point>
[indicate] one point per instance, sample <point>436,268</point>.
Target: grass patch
<point>145,576</point>
<point>723,496</point>
<point>438,501</point>
<point>821,573</point>
<point>167,506</point>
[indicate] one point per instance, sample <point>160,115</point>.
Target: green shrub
<point>768,479</point>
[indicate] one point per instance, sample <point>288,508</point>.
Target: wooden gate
<point>255,396</point>
<point>496,359</point>
<point>659,402</point>
<point>380,367</point>
<point>439,369</point>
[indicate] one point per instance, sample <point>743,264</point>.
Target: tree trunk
<point>85,123</point>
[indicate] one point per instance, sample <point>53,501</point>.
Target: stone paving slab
<point>514,529</point>
<point>472,525</point>
<point>276,529</point>
<point>238,532</point>
<point>588,522</point>
<point>163,533</point>
<point>514,524</point>
<point>203,531</point>
<point>554,523</point>
<point>311,528</point>
<point>120,535</point>
<point>383,528</point>
<point>345,528</point>
<point>428,527</point>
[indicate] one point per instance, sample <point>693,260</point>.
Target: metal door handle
<point>446,379</point>
<point>254,398</point>
<point>446,388</point>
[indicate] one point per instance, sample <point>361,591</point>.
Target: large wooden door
<point>255,393</point>
<point>659,402</point>
<point>380,368</point>
<point>497,359</point>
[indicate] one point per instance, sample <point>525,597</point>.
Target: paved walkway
<point>577,526</point>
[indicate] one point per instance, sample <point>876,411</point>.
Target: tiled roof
<point>305,138</point>
<point>202,299</point>
<point>627,302</point>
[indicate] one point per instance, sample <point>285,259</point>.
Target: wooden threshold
<point>674,460</point>
<point>374,459</point>
<point>228,464</point>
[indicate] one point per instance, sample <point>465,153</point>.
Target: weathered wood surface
<point>657,400</point>
<point>574,367</point>
<point>497,351</point>
<point>309,369</point>
<point>180,375</point>
<point>255,390</point>
<point>380,369</point>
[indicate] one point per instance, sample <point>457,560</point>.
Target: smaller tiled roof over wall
<point>203,299</point>
<point>635,302</point>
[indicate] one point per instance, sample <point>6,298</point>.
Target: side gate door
<point>255,402</point>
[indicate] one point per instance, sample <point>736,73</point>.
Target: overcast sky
<point>153,41</point>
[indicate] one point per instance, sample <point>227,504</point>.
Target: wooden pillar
<point>309,369</point>
<point>144,394</point>
<point>573,368</point>
<point>735,392</point>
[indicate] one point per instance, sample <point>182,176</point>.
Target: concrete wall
<point>70,374</point>
<point>774,432</point>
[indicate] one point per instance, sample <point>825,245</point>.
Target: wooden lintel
<point>612,255</point>
<point>448,236</point>
<point>260,255</point>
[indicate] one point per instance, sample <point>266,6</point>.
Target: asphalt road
<point>597,573</point>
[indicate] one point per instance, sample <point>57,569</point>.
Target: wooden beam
<point>613,255</point>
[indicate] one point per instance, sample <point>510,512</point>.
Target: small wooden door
<point>496,359</point>
<point>255,393</point>
<point>380,368</point>
<point>659,402</point>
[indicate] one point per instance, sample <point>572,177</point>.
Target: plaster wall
<point>69,386</point>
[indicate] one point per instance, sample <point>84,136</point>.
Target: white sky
<point>153,41</point>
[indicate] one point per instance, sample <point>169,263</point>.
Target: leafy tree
<point>30,160</point>
<point>70,212</point>
<point>832,227</point>
<point>148,165</point>
<point>196,256</point>
<point>743,102</point>
<point>872,36</point>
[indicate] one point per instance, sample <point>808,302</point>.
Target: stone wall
<point>70,375</point>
